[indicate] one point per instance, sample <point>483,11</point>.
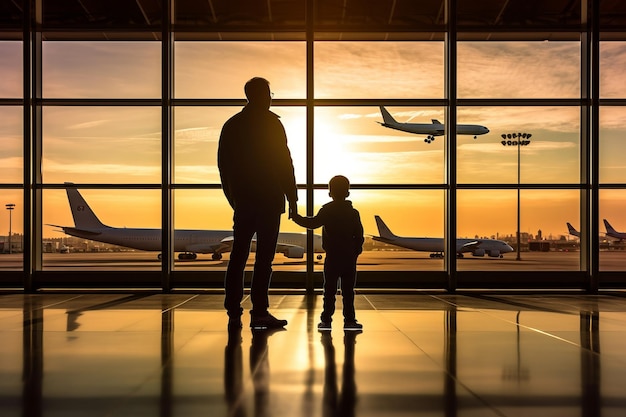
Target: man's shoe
<point>352,326</point>
<point>324,326</point>
<point>267,322</point>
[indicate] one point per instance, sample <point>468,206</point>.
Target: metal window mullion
<point>310,118</point>
<point>594,228</point>
<point>450,146</point>
<point>167,86</point>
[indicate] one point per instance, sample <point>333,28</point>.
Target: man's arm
<point>308,222</point>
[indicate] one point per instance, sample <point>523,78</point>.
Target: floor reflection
<point>443,355</point>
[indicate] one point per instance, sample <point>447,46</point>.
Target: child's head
<point>339,187</point>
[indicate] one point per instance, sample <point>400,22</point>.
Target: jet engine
<point>294,252</point>
<point>478,252</point>
<point>494,253</point>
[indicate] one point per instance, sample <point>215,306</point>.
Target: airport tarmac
<point>368,261</point>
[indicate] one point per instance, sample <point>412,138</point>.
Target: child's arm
<point>308,222</point>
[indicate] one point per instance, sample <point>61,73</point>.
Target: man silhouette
<point>257,174</point>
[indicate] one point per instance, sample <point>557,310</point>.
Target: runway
<point>368,261</point>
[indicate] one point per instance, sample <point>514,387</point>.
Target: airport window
<point>11,144</point>
<point>132,241</point>
<point>220,69</point>
<point>519,69</point>
<point>549,155</point>
<point>544,239</point>
<point>612,229</point>
<point>110,145</point>
<point>353,141</point>
<point>101,114</point>
<point>11,69</point>
<point>101,69</point>
<point>379,70</point>
<point>612,125</point>
<point>196,137</point>
<point>11,232</point>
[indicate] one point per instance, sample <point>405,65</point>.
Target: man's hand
<point>293,209</point>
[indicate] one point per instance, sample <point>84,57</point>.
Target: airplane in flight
<point>612,233</point>
<point>188,243</point>
<point>435,245</point>
<point>431,129</point>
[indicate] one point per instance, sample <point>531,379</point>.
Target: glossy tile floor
<point>420,354</point>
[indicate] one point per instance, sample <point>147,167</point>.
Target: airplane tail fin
<point>572,231</point>
<point>609,229</point>
<point>84,217</point>
<point>387,117</point>
<point>383,230</point>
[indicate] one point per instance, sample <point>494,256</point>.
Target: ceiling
<point>333,19</point>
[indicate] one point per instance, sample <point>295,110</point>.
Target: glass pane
<point>221,69</point>
<point>407,213</point>
<point>197,135</point>
<point>545,243</point>
<point>101,229</point>
<point>379,69</point>
<point>612,58</point>
<point>101,69</point>
<point>101,145</point>
<point>612,145</point>
<point>204,223</point>
<point>518,69</point>
<point>612,230</point>
<point>11,230</point>
<point>11,74</point>
<point>550,156</point>
<point>11,144</point>
<point>348,142</point>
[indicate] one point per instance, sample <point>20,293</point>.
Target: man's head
<point>258,92</point>
<point>339,187</point>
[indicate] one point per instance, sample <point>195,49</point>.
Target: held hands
<point>293,209</point>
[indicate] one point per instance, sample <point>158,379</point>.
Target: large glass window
<point>101,144</point>
<point>197,137</point>
<point>103,229</point>
<point>11,81</point>
<point>11,230</point>
<point>379,70</point>
<point>11,144</point>
<point>352,141</point>
<point>101,69</point>
<point>518,69</point>
<point>549,155</point>
<point>220,69</point>
<point>489,217</point>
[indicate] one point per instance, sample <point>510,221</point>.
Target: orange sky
<point>122,145</point>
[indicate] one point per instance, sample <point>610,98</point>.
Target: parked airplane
<point>187,242</point>
<point>431,129</point>
<point>612,233</point>
<point>435,245</point>
<point>572,231</point>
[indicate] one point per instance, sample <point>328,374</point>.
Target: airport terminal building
<point>124,102</point>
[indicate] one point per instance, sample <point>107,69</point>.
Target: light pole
<point>10,207</point>
<point>519,140</point>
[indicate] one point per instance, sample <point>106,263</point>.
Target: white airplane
<point>431,129</point>
<point>477,247</point>
<point>612,233</point>
<point>187,242</point>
